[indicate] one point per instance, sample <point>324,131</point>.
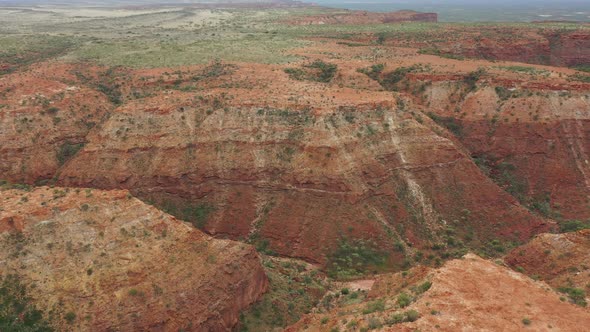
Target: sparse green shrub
<point>576,295</point>
<point>380,38</point>
<point>507,178</point>
<point>16,311</point>
<point>391,79</point>
<point>67,150</point>
<point>404,300</point>
<point>526,321</point>
<point>70,317</point>
<point>353,258</point>
<point>573,226</point>
<point>373,71</point>
<point>503,93</point>
<point>374,306</point>
<point>584,68</point>
<point>582,78</point>
<point>412,315</point>
<point>408,316</point>
<point>318,71</point>
<point>197,214</point>
<point>452,124</point>
<point>437,52</point>
<point>112,91</point>
<point>52,110</point>
<point>374,323</point>
<point>396,318</point>
<point>472,78</point>
<point>423,287</point>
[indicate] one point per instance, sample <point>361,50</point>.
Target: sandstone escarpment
<point>465,294</point>
<point>103,261</point>
<point>554,48</point>
<point>540,44</point>
<point>532,142</point>
<point>299,181</point>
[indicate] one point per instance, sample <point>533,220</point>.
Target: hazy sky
<point>393,2</point>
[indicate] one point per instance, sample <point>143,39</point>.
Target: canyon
<point>364,171</point>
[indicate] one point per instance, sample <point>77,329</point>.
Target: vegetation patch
<point>398,318</point>
<point>452,124</point>
<point>581,78</point>
<point>373,71</point>
<point>17,313</point>
<point>216,69</point>
<point>438,52</point>
<point>390,80</point>
<point>196,214</point>
<point>317,71</point>
<point>19,51</point>
<point>573,226</point>
<point>354,258</point>
<point>67,150</point>
<point>294,291</point>
<point>577,295</point>
<point>525,70</point>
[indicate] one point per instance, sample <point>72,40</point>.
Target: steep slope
<point>562,260</point>
<point>300,181</point>
<point>45,115</point>
<point>531,141</point>
<point>468,294</point>
<point>527,133</point>
<point>103,261</point>
<point>542,44</point>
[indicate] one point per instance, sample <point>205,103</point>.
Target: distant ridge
<point>365,17</point>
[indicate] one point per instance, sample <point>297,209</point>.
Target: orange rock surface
<point>562,260</point>
<point>119,264</point>
<point>469,294</point>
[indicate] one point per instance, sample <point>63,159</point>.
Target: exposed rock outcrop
<point>105,261</point>
<point>299,180</point>
<point>562,260</point>
<point>465,294</point>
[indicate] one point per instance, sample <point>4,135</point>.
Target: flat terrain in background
<point>354,164</point>
<point>169,36</point>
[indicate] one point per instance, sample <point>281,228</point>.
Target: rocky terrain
<point>559,259</point>
<point>105,261</point>
<point>298,180</point>
<point>535,43</point>
<point>304,167</point>
<point>465,294</point>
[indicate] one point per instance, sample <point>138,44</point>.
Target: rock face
<point>104,261</point>
<point>469,294</point>
<point>553,48</point>
<point>562,260</point>
<point>363,17</point>
<point>538,44</point>
<point>533,142</point>
<point>570,48</point>
<point>299,180</point>
<point>44,120</point>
